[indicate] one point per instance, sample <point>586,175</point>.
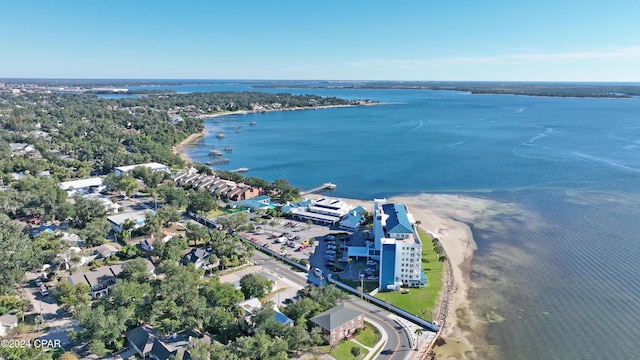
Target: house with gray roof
<point>338,323</point>
<point>199,257</point>
<point>100,280</point>
<point>148,344</point>
<point>7,322</point>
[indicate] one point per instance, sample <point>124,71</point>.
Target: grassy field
<point>368,337</point>
<point>417,301</point>
<point>343,351</point>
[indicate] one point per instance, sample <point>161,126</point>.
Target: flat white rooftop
<point>152,166</point>
<point>81,184</point>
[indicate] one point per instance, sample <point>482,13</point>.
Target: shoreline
<point>462,329</point>
<point>179,149</point>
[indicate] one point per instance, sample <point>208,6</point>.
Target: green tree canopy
<point>253,285</point>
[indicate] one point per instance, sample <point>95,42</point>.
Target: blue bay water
<point>565,277</point>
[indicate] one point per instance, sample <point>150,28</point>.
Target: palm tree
<point>312,243</point>
<point>418,333</point>
<point>309,223</point>
<point>349,261</point>
<point>272,223</point>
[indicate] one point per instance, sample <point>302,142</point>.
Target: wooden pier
<point>323,187</point>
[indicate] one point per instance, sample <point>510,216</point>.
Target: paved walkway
<point>379,344</point>
<point>423,340</point>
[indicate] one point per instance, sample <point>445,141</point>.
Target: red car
<point>303,247</point>
<point>254,239</point>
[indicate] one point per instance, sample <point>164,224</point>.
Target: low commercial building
<point>323,210</point>
<point>82,186</point>
<point>353,219</point>
<point>154,166</point>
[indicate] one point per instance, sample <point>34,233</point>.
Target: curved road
<point>397,346</point>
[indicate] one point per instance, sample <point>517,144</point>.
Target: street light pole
<point>362,286</point>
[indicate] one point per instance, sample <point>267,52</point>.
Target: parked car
<point>317,272</point>
<point>254,239</point>
<point>331,243</point>
<point>38,282</point>
<point>331,247</point>
<point>371,263</point>
<point>330,252</point>
<point>44,292</point>
<point>372,277</point>
<point>329,257</point>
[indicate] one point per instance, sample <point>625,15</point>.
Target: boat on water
<point>215,153</point>
<point>220,135</point>
<point>252,123</point>
<point>228,148</point>
<point>209,162</point>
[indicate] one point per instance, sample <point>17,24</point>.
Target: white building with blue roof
<point>397,247</point>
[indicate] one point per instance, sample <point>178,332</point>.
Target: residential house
<point>100,280</point>
<point>199,257</point>
<point>148,344</point>
<point>7,322</point>
<point>251,306</point>
<point>18,149</point>
<point>138,217</point>
<point>103,251</point>
<point>338,323</point>
<point>43,229</point>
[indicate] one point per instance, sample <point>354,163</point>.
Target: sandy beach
<point>442,216</point>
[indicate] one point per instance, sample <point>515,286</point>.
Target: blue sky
<point>524,40</point>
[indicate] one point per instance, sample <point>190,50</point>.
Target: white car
<point>331,247</point>
<point>38,282</point>
<point>330,252</point>
<point>371,263</point>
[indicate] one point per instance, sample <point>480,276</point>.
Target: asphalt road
<point>397,346</point>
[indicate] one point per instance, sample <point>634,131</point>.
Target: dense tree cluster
<point>181,301</point>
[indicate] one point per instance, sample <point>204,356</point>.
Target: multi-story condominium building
<point>397,247</point>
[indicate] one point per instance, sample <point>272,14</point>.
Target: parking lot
<point>291,238</point>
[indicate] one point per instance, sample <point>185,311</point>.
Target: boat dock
<point>240,170</point>
<point>325,186</point>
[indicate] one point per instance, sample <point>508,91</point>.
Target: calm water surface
<point>560,283</point>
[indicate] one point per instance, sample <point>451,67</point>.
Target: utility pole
<point>362,286</point>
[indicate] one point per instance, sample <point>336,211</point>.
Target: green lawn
<point>369,337</point>
<point>343,351</point>
<point>424,299</point>
<point>368,285</point>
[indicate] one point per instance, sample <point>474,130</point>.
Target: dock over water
<point>325,186</point>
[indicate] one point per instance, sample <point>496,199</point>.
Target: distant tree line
<point>506,88</point>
